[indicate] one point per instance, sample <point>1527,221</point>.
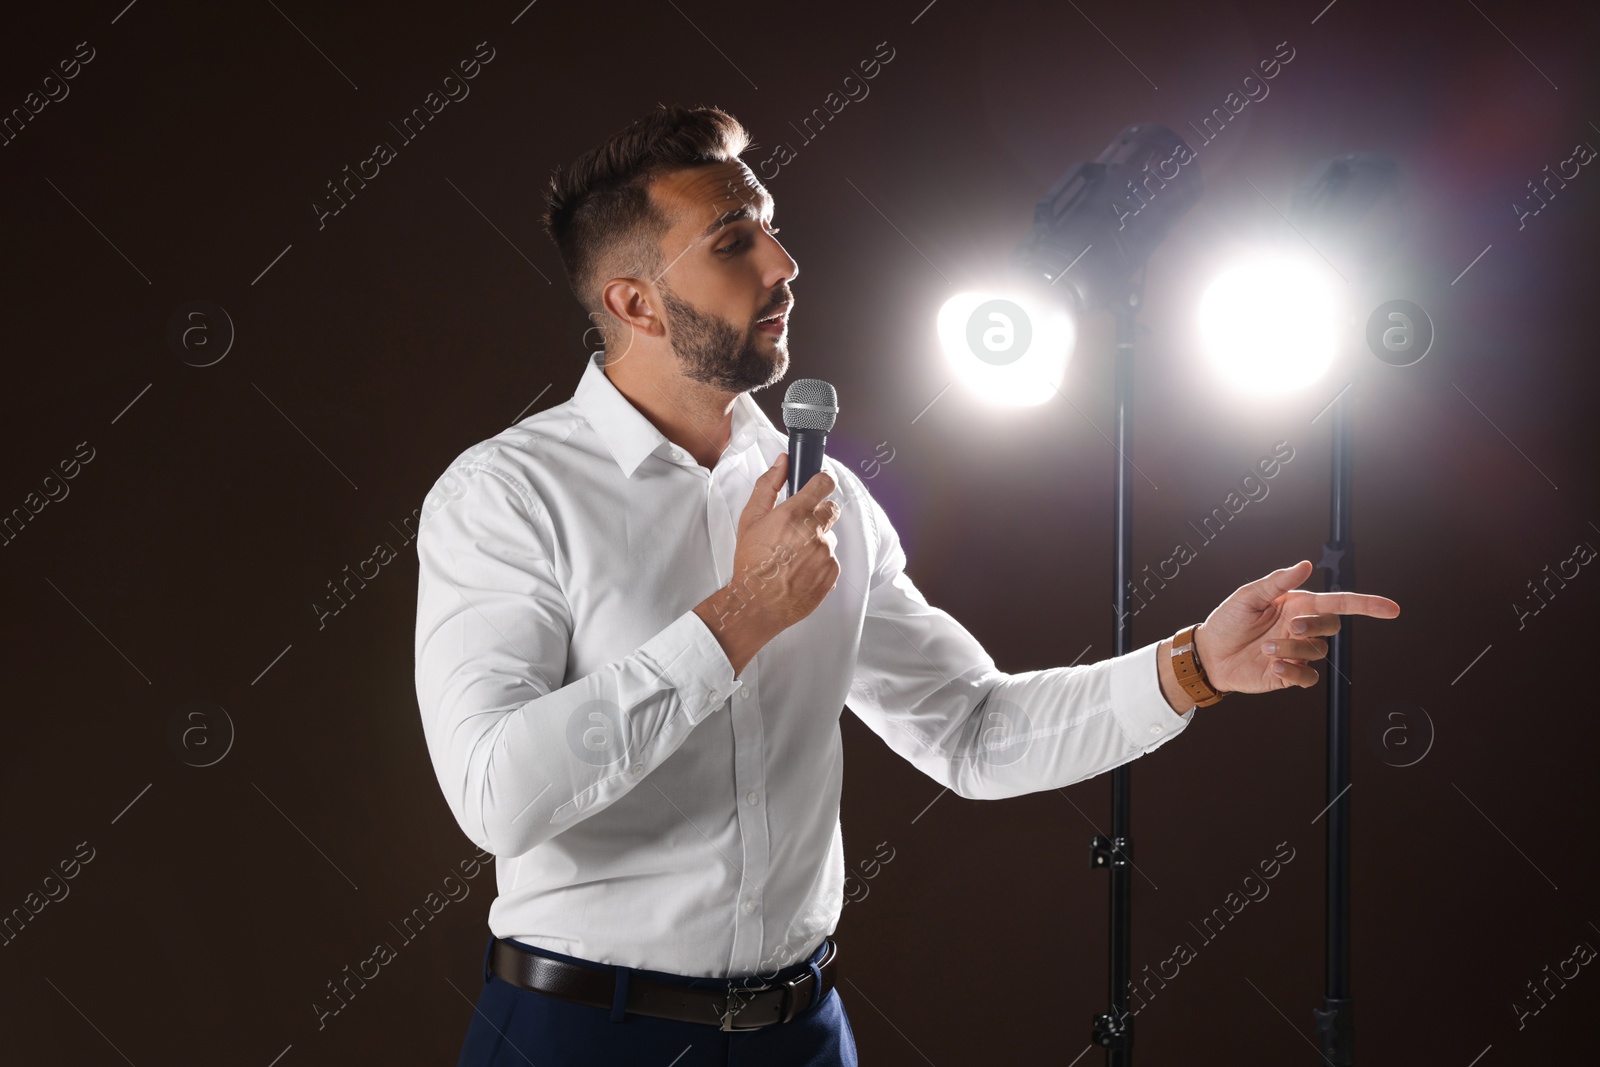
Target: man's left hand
<point>1261,637</point>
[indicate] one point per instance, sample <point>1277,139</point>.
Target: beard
<point>712,352</point>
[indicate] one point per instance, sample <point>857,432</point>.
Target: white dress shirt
<point>647,808</point>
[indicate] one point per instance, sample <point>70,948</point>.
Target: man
<point>632,656</point>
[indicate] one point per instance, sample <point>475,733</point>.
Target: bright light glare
<point>1009,348</point>
<point>1269,325</point>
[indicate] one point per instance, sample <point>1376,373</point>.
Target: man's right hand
<point>783,564</point>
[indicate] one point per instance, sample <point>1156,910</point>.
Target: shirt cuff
<point>1147,720</point>
<point>693,663</point>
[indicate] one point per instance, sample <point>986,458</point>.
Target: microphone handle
<point>805,456</point>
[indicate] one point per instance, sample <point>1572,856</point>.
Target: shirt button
<point>677,454</point>
<point>751,797</point>
<point>749,906</point>
<point>638,769</point>
<point>1155,729</point>
<point>744,692</point>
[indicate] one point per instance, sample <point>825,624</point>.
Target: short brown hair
<point>600,214</point>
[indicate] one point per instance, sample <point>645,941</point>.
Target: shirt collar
<point>630,437</point>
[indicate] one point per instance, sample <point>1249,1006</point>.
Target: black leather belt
<point>743,1005</point>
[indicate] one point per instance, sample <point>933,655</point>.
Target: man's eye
<point>729,248</point>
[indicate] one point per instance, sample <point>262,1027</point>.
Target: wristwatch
<point>1191,674</point>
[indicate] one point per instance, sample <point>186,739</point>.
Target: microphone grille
<point>810,404</point>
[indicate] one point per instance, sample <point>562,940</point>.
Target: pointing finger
<point>1377,607</point>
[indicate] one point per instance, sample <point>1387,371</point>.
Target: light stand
<point>1092,232</point>
<point>1114,1029</point>
<point>1332,204</point>
<point>1336,1018</point>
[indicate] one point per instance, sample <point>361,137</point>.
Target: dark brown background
<point>190,549</point>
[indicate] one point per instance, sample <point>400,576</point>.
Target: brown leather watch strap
<point>1191,673</point>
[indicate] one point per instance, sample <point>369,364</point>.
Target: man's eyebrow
<point>743,211</point>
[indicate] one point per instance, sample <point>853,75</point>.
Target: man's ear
<point>630,303</point>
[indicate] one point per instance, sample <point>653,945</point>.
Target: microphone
<point>809,410</point>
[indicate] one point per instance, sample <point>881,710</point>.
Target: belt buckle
<point>785,1007</point>
<point>728,1015</point>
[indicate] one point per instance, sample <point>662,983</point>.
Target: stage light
<point>1269,324</point>
<point>1007,347</point>
<point>1092,232</point>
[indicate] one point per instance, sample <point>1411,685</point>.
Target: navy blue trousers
<point>514,1026</point>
